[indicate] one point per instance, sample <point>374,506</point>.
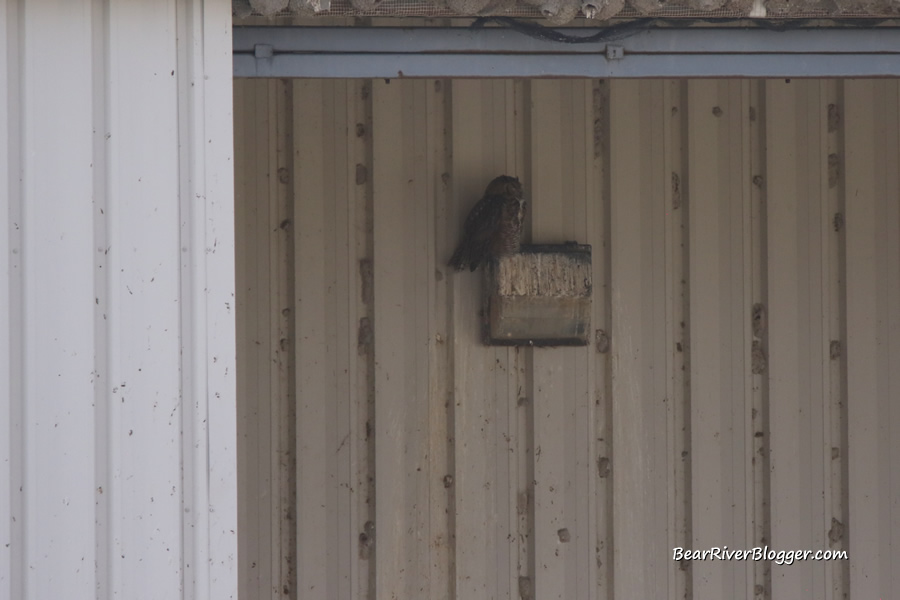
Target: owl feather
<point>494,225</point>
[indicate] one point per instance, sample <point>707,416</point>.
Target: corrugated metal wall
<point>739,392</point>
<point>117,345</point>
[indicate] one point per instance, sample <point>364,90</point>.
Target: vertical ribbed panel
<point>408,157</point>
<point>720,289</point>
<point>60,480</point>
<point>143,302</point>
<point>265,336</point>
<point>332,333</point>
<point>873,329</point>
<point>491,411</point>
<point>117,300</point>
<point>801,237</point>
<point>738,385</point>
<point>565,471</point>
<point>11,398</point>
<point>646,271</point>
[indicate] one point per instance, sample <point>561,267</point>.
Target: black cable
<point>548,34</point>
<point>627,28</point>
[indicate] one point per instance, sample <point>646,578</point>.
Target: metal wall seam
<point>597,215</point>
<point>434,94</point>
<point>317,541</point>
<point>671,110</point>
<point>757,478</point>
<point>213,526</point>
<point>834,301</point>
<point>244,187</point>
<point>12,521</point>
<point>362,459</point>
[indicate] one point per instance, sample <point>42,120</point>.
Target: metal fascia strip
<point>346,52</point>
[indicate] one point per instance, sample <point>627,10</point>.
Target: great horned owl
<point>494,226</point>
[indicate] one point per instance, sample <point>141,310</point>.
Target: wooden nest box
<point>539,297</point>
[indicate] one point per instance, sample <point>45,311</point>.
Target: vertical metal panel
<point>330,336</point>
<point>491,398</point>
<point>318,544</point>
<point>58,437</point>
<point>143,279</point>
<point>408,171</point>
<point>120,358</point>
<point>11,397</point>
<point>265,336</point>
<point>711,409</point>
<point>597,218</point>
<point>206,170</point>
<point>720,338</point>
<point>758,476</point>
<point>565,472</point>
<point>644,488</point>
<point>800,238</point>
<point>873,318</point>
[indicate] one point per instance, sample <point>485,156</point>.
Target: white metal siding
<point>116,301</point>
<point>745,254</point>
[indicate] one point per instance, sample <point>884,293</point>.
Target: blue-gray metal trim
<point>388,52</point>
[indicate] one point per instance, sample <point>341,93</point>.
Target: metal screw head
<point>614,52</point>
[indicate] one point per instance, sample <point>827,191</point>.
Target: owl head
<point>505,185</point>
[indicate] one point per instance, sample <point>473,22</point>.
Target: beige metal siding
<point>873,318</point>
<point>803,318</point>
<point>720,291</point>
<point>737,392</point>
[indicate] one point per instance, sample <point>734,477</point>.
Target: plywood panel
<point>871,138</point>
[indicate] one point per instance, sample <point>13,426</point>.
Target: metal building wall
<point>738,392</point>
<point>117,358</point>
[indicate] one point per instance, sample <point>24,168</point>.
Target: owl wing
<point>485,217</point>
<point>479,231</point>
